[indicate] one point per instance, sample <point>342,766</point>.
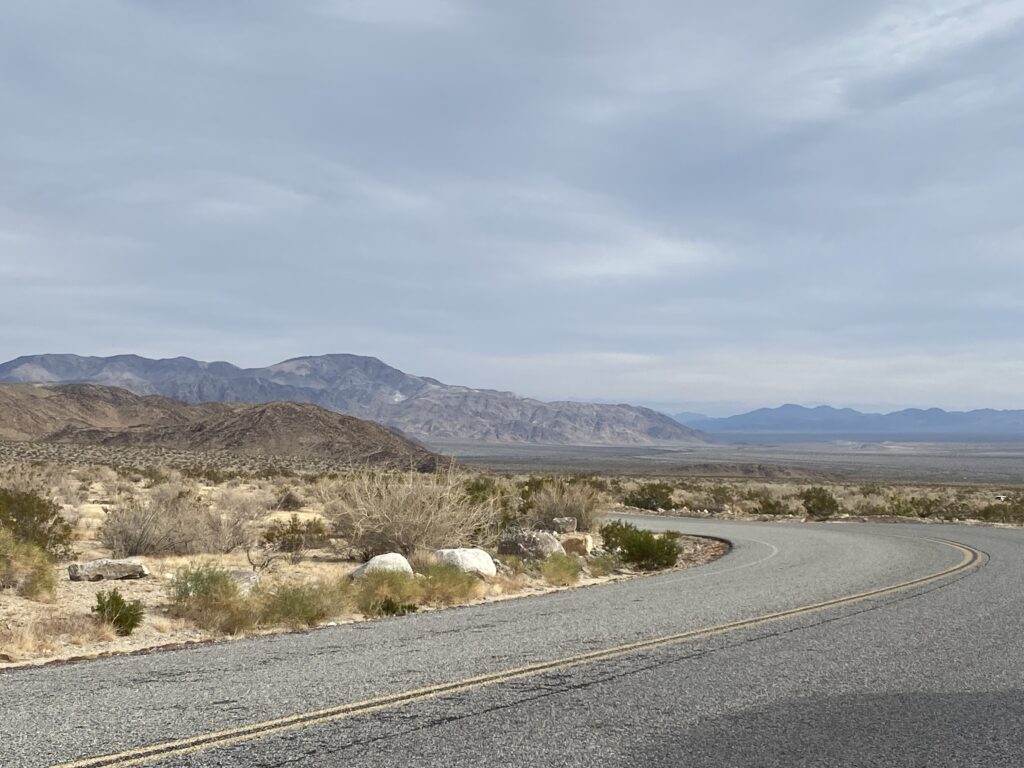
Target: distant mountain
<point>366,388</point>
<point>99,415</point>
<point>689,417</point>
<point>825,421</point>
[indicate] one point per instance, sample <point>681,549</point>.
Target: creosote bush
<point>35,520</point>
<point>446,584</point>
<point>561,570</point>
<point>295,536</point>
<point>638,548</point>
<point>819,503</point>
<point>651,496</point>
<point>209,597</point>
<point>387,593</point>
<point>378,512</point>
<point>111,608</point>
<point>25,568</point>
<point>302,605</point>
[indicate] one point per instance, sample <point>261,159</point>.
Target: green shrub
<point>209,597</point>
<point>638,548</point>
<point>35,520</point>
<point>561,570</point>
<point>302,605</point>
<point>819,503</point>
<point>766,505</point>
<point>111,608</point>
<point>603,565</point>
<point>387,593</point>
<point>446,584</point>
<point>25,568</point>
<point>653,496</point>
<point>295,536</point>
<point>288,502</point>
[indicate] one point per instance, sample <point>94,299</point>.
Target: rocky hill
<point>366,388</point>
<point>100,415</point>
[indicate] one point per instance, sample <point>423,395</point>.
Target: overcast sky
<point>703,205</point>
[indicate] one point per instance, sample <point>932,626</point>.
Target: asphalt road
<point>929,675</point>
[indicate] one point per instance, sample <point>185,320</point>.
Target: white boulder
<point>392,561</point>
<point>470,560</point>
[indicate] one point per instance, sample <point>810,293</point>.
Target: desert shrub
<point>487,491</point>
<point>445,584</point>
<point>561,570</point>
<point>819,503</point>
<point>47,634</point>
<point>25,568</point>
<point>603,565</point>
<point>111,608</point>
<point>210,598</point>
<point>766,505</point>
<point>651,496</point>
<point>288,501</point>
<point>401,512</point>
<point>518,565</point>
<point>230,523</point>
<point>720,494</point>
<point>562,499</point>
<point>295,536</point>
<point>1010,511</point>
<point>171,522</point>
<point>36,520</point>
<point>641,549</point>
<point>388,593</point>
<point>302,605</point>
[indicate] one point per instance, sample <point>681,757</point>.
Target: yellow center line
<point>178,747</point>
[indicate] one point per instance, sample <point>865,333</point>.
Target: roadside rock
<point>470,560</point>
<point>531,545</point>
<point>578,544</point>
<point>106,568</point>
<point>564,524</point>
<point>392,561</point>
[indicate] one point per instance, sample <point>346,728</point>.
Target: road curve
<point>925,675</point>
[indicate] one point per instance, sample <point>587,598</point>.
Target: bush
<point>445,584</point>
<point>766,505</point>
<point>111,608</point>
<point>209,597</point>
<point>562,499</point>
<point>295,536</point>
<point>641,549</point>
<point>560,570</point>
<point>288,502</point>
<point>35,520</point>
<point>603,565</point>
<point>652,496</point>
<point>387,593</point>
<point>302,605</point>
<point>230,524</point>
<point>25,568</point>
<point>171,522</point>
<point>819,503</point>
<point>380,512</point>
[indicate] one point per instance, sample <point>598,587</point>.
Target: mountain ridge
<point>366,388</point>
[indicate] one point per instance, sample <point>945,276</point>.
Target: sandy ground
<point>37,633</point>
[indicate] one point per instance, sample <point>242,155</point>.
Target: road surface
<point>808,645</point>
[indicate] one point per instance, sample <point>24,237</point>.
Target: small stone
<point>564,524</point>
<point>531,545</point>
<point>106,568</point>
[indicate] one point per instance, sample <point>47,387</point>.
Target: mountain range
<point>366,388</point>
<point>91,414</point>
<point>825,421</point>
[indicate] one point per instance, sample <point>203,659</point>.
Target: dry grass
<point>47,635</point>
<point>564,499</point>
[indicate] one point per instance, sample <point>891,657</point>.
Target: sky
<point>700,206</point>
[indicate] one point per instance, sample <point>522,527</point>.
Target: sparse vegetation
<point>561,570</point>
<point>386,593</point>
<point>444,584</point>
<point>295,536</point>
<point>25,568</point>
<point>639,548</point>
<point>36,520</point>
<point>562,498</point>
<point>652,496</point>
<point>124,616</point>
<point>819,503</point>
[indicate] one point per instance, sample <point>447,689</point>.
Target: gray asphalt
<point>926,677</point>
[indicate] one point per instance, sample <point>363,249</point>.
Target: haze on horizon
<point>666,203</point>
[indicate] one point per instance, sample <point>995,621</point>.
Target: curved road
<point>926,675</point>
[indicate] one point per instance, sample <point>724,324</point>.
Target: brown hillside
<point>98,415</point>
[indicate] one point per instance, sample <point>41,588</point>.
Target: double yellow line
<point>179,747</point>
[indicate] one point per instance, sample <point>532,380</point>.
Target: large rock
<point>392,561</point>
<point>532,545</point>
<point>578,544</point>
<point>97,570</point>
<point>564,524</point>
<point>470,560</point>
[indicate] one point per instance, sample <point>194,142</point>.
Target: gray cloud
<point>667,202</point>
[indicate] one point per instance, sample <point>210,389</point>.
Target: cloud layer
<point>666,202</point>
